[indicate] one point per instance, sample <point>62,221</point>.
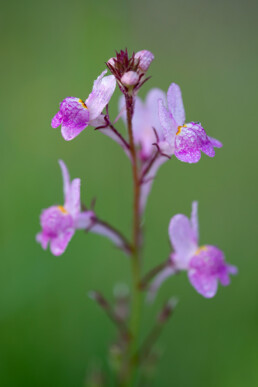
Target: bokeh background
<point>51,332</point>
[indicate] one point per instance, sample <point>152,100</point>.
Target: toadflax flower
<point>60,222</point>
<point>186,141</point>
<point>205,265</point>
<point>145,119</point>
<point>75,115</point>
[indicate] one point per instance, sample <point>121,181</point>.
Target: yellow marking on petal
<point>82,103</point>
<point>179,129</point>
<point>202,248</point>
<point>62,209</point>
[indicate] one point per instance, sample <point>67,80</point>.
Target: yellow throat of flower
<point>62,209</point>
<point>82,103</point>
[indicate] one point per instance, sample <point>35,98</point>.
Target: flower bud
<point>146,57</point>
<point>111,62</point>
<point>130,78</point>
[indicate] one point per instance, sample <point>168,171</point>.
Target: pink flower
<point>75,115</point>
<point>205,265</point>
<point>186,141</point>
<point>145,120</point>
<point>60,222</point>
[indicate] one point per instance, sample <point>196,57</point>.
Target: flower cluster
<point>157,130</point>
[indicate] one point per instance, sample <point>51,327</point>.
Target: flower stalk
<point>136,232</point>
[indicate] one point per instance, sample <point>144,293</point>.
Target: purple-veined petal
<point>168,123</point>
<point>66,177</point>
<point>183,239</point>
<point>190,140</point>
<point>75,117</point>
<point>57,120</point>
<point>72,200</point>
<point>194,220</point>
<point>215,143</point>
<point>208,150</point>
<point>175,104</point>
<point>59,244</point>
<point>188,157</point>
<point>84,220</point>
<point>103,89</point>
<point>206,267</point>
<point>204,284</point>
<point>224,274</point>
<point>69,132</point>
<point>158,281</point>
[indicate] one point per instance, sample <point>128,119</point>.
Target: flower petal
<point>59,244</point>
<point>215,143</point>
<point>188,157</point>
<point>57,120</point>
<point>175,104</point>
<point>194,220</point>
<point>43,239</point>
<point>103,89</point>
<point>204,284</point>
<point>190,140</point>
<point>75,117</point>
<point>169,127</point>
<point>66,177</point>
<point>72,200</point>
<point>183,239</point>
<point>206,267</point>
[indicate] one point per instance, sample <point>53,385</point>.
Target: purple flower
<point>74,115</point>
<point>60,222</point>
<point>146,118</point>
<point>186,141</point>
<point>205,265</point>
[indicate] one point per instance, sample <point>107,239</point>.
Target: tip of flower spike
<point>129,71</point>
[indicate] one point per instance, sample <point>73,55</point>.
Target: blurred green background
<point>50,331</point>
